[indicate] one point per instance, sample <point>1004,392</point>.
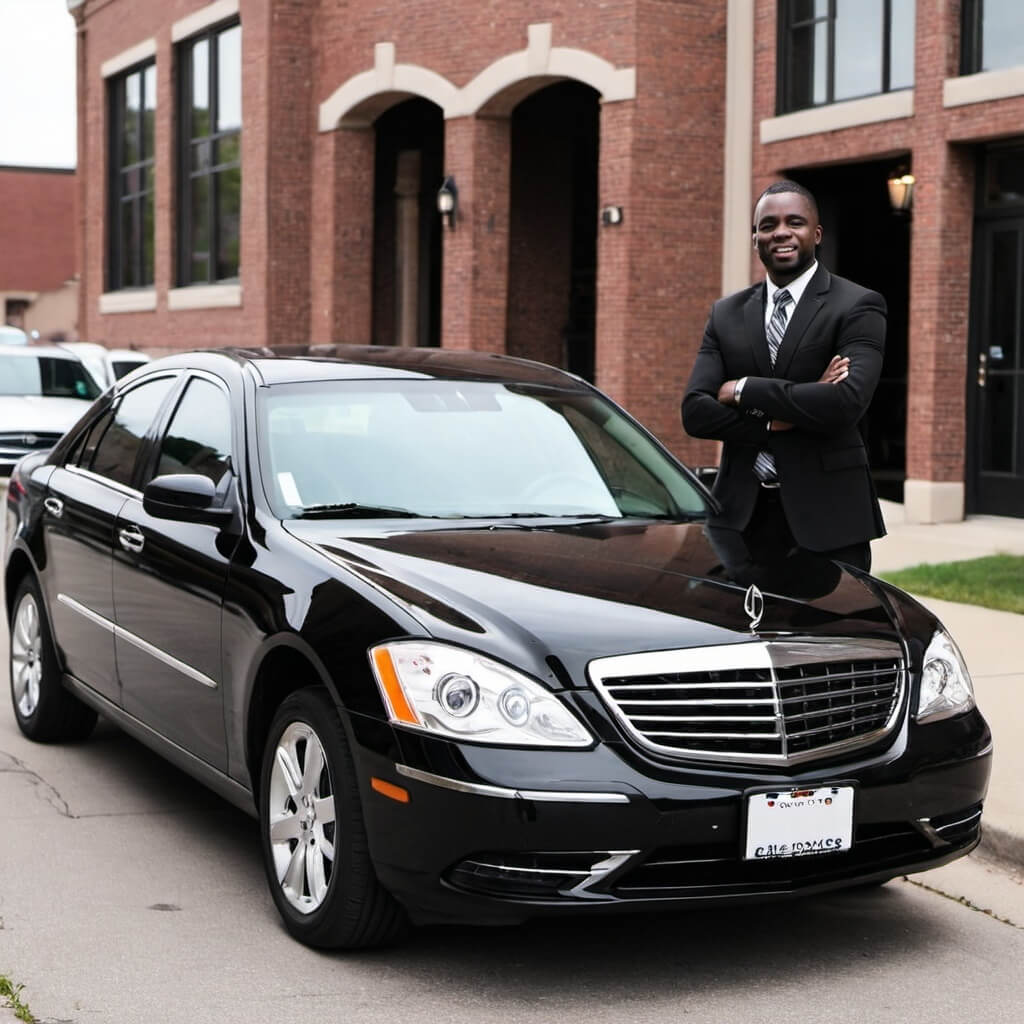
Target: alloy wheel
<point>26,656</point>
<point>302,825</point>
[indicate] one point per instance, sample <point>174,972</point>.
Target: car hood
<point>43,413</point>
<point>589,590</point>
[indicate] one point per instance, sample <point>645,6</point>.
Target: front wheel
<point>311,825</point>
<point>44,709</point>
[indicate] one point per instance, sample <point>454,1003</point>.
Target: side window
<point>198,439</point>
<point>115,452</point>
<point>85,447</point>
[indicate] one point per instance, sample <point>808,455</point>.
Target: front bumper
<point>489,836</point>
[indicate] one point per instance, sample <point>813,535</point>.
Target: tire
<point>45,711</point>
<point>315,850</point>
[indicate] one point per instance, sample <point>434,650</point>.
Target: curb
<point>1005,849</point>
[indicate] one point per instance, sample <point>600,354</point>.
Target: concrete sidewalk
<point>989,642</point>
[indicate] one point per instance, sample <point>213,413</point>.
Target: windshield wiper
<point>353,510</point>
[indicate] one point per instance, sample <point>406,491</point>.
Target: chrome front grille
<point>770,701</point>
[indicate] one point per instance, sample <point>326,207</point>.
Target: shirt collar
<point>796,287</point>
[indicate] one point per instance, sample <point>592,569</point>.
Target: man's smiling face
<point>786,233</point>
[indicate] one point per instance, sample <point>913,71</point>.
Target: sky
<point>37,84</point>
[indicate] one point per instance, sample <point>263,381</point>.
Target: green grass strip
<point>996,581</point>
<point>11,995</point>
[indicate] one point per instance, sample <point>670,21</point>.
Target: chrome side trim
<point>129,492</point>
<point>93,617</point>
<point>480,789</point>
<point>136,641</point>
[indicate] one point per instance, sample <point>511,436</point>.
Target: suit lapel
<point>807,309</point>
<point>753,324</point>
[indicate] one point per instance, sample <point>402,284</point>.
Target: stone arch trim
<point>493,92</point>
<point>363,98</point>
<point>499,87</point>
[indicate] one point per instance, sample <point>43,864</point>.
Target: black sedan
<point>453,627</point>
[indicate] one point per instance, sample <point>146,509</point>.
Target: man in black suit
<point>785,372</point>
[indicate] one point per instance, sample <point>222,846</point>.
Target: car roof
<point>36,351</point>
<point>292,363</point>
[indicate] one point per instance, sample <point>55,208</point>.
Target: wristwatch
<point>738,390</point>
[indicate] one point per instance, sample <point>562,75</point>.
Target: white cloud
<point>37,84</point>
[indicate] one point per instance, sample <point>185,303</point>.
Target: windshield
<point>461,449</point>
<point>47,376</point>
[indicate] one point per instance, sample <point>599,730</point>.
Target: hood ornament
<point>753,605</point>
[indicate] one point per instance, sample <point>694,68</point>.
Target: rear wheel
<point>44,709</point>
<point>314,840</point>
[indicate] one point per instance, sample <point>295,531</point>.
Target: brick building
<point>262,171</point>
<point>37,250</point>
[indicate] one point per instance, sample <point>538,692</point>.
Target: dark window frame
<point>186,142</point>
<point>784,83</point>
<point>118,196</point>
<point>972,56</point>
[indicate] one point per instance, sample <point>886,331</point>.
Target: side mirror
<point>185,497</point>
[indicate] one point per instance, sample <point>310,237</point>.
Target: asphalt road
<point>131,895</point>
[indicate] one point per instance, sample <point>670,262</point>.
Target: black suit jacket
<point>826,488</point>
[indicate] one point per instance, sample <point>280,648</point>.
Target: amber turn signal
<point>389,789</point>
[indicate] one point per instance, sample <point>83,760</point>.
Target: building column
<point>940,283</point>
<point>474,286</point>
<point>341,257</point>
<point>937,341</point>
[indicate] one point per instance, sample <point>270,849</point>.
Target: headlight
<point>945,683</point>
<point>465,696</point>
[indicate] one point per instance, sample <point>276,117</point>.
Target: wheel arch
<point>18,568</point>
<point>283,669</point>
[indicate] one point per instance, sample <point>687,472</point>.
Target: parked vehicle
<point>12,335</point>
<point>124,360</point>
<point>452,626</point>
<point>106,365</point>
<point>43,391</point>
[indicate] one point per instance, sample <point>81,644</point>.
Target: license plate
<point>799,822</point>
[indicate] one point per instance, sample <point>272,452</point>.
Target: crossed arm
<point>828,405</point>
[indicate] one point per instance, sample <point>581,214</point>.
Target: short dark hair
<point>790,186</point>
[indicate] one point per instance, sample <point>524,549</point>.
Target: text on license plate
<point>797,822</point>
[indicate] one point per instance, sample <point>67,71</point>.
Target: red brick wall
<point>940,144</point>
<point>37,229</point>
<point>306,265</point>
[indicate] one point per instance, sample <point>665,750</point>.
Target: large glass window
<point>455,449</point>
<point>132,98</point>
<point>831,50</point>
<point>209,211</point>
<point>46,377</point>
<point>993,35</point>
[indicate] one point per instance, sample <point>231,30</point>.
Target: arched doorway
<point>552,270</point>
<point>406,228</point>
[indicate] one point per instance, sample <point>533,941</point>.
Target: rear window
<point>46,376</point>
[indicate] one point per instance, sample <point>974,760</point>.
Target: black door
<point>996,371</point>
<point>81,507</point>
<point>169,579</point>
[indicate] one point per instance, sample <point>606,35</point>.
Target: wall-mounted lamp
<point>448,201</point>
<point>611,216</point>
<point>901,191</point>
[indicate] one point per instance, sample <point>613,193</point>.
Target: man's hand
<point>837,370</point>
<point>726,393</point>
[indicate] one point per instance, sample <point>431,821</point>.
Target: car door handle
<point>54,506</point>
<point>131,539</point>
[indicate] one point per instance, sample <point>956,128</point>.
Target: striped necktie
<point>764,464</point>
